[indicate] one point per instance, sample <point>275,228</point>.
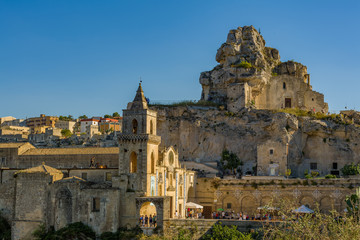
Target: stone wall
<point>172,226</point>
<point>246,195</point>
<point>31,203</point>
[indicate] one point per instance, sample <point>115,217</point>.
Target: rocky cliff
<point>200,134</point>
<point>250,73</point>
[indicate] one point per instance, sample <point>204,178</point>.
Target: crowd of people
<point>146,221</point>
<point>242,216</point>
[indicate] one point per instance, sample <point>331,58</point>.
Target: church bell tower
<point>139,145</point>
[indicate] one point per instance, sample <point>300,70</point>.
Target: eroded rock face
<point>202,134</point>
<point>251,74</point>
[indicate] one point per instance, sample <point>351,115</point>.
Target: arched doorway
<point>63,208</point>
<point>133,162</point>
<point>147,214</point>
<point>248,205</point>
<point>150,205</point>
<point>308,202</point>
<point>134,126</point>
<point>326,205</point>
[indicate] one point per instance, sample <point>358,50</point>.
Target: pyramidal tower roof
<point>139,101</point>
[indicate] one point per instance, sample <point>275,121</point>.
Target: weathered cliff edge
<point>201,134</point>
<point>250,73</point>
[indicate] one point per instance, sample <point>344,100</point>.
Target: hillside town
<point>62,131</point>
<point>258,138</point>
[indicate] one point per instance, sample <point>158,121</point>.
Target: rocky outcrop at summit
<point>251,74</point>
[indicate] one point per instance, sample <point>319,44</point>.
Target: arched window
<point>133,162</point>
<point>284,85</point>
<point>134,126</point>
<point>171,158</point>
<point>151,127</point>
<point>152,163</point>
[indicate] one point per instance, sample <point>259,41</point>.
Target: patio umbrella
<point>303,209</point>
<point>268,208</point>
<point>193,205</point>
<point>220,209</point>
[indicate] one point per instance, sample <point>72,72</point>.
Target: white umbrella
<point>268,208</point>
<point>193,205</point>
<point>303,209</point>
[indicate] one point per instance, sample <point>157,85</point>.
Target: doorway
<point>287,102</point>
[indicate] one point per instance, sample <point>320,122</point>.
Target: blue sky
<point>86,57</point>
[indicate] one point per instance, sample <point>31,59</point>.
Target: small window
<point>228,205</point>
<point>284,85</point>
<point>108,176</point>
<point>84,175</point>
<point>313,166</point>
<point>312,99</point>
<point>335,165</point>
<point>271,151</point>
<point>96,204</point>
<point>3,161</point>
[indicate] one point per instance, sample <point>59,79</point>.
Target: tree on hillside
<point>116,114</point>
<point>66,118</point>
<point>83,117</point>
<point>107,116</point>
<point>351,169</point>
<point>230,160</point>
<point>66,133</point>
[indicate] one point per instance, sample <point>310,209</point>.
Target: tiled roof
<point>11,145</point>
<point>90,119</point>
<point>72,151</point>
<point>71,179</point>
<point>42,168</point>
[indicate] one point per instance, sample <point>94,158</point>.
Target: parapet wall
<point>202,226</point>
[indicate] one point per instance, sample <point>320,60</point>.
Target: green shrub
<point>76,230</point>
<point>329,176</point>
<point>66,133</point>
<point>316,226</point>
<point>220,232</point>
<point>351,169</point>
<point>314,174</point>
<point>295,111</point>
<point>243,64</point>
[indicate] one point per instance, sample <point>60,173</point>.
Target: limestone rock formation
<point>201,134</point>
<point>251,74</point>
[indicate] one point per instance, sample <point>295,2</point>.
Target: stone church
<point>148,179</point>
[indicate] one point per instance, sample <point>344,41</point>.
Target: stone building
<point>145,179</point>
<point>39,124</point>
<point>272,158</point>
<point>62,124</point>
<point>250,74</point>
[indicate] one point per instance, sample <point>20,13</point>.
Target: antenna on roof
<point>140,81</point>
